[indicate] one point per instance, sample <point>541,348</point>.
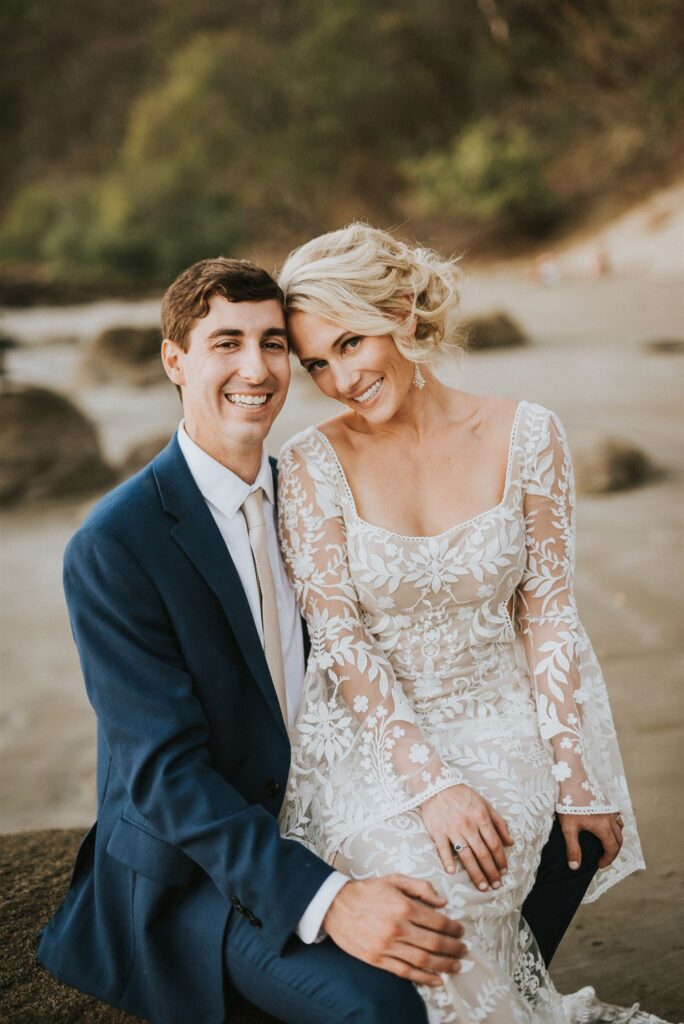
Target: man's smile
<point>249,401</point>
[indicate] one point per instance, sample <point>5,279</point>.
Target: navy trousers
<point>317,984</point>
<point>558,891</point>
<point>320,984</point>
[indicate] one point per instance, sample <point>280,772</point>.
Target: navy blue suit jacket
<point>193,758</point>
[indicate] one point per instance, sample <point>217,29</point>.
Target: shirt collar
<point>224,489</point>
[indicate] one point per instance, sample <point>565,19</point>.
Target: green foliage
<point>31,215</point>
<point>492,171</point>
<point>50,222</point>
<point>165,224</point>
<point>143,137</point>
<point>121,228</point>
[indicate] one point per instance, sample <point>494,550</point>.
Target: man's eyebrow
<point>227,332</point>
<point>235,332</point>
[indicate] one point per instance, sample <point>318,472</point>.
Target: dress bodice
<point>435,605</point>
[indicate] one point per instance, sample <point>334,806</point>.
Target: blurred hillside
<point>141,137</point>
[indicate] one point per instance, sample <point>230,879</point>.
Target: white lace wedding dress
<point>446,659</point>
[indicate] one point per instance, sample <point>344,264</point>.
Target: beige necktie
<point>253,508</point>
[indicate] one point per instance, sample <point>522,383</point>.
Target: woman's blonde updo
<point>362,279</point>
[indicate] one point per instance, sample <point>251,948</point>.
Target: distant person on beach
<point>194,658</point>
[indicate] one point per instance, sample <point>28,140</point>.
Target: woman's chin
<point>378,410</point>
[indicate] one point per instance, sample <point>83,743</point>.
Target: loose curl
<point>362,279</point>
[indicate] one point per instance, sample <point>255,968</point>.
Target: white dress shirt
<point>224,493</point>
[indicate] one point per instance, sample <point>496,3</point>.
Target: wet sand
<point>586,362</point>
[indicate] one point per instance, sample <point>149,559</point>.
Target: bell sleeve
<point>572,703</point>
<point>359,754</point>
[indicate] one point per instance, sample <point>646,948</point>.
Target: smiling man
<point>193,658</point>
<point>232,367</point>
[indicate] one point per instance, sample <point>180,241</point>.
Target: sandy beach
<point>586,361</point>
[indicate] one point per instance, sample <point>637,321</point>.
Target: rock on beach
<point>129,354</point>
<point>492,331</point>
<point>48,447</point>
<point>613,465</point>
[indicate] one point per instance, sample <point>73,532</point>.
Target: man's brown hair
<point>187,299</point>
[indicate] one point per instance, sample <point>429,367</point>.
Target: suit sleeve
<point>157,734</point>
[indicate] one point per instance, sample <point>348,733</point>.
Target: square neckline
<point>451,529</point>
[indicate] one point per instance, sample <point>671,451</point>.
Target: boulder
<point>6,345</point>
<point>496,330</point>
<point>48,447</point>
<point>128,354</point>
<point>665,346</point>
<point>140,454</point>
<point>613,465</point>
<point>34,876</point>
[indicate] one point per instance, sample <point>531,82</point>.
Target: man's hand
<point>391,923</point>
<point>459,815</point>
<point>606,827</point>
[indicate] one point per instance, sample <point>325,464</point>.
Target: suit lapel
<point>199,537</point>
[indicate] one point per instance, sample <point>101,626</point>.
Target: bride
<point>453,703</point>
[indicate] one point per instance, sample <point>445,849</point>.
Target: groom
<point>192,652</point>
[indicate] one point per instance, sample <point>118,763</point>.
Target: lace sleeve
<point>555,643</point>
<point>356,722</point>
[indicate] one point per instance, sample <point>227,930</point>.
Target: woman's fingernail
<point>574,864</point>
<point>496,885</point>
<point>483,887</point>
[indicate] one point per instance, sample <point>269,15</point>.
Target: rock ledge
<point>34,874</point>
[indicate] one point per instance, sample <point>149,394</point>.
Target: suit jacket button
<point>273,788</point>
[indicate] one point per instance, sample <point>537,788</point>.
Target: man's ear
<point>172,358</point>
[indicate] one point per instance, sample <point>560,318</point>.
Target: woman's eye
<point>352,342</point>
<point>314,367</point>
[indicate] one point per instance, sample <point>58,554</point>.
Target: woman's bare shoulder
<point>499,407</point>
<point>489,411</point>
<point>335,429</point>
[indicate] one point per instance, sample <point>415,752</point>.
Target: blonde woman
<point>453,704</point>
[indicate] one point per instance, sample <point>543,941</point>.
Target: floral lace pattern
<point>553,637</point>
<point>437,660</point>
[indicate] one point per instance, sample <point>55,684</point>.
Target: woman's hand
<point>606,827</point>
<point>459,816</point>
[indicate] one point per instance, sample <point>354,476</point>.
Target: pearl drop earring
<point>418,378</point>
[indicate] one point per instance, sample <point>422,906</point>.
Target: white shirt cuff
<point>310,927</point>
